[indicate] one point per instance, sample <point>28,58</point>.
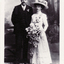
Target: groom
<point>21,18</point>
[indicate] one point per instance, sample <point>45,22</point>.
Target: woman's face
<point>38,7</point>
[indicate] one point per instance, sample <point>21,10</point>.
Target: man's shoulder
<point>29,6</point>
<point>20,5</point>
<point>17,6</point>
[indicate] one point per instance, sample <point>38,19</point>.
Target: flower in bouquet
<point>33,33</point>
<point>34,36</point>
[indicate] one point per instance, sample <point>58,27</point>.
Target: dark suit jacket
<point>21,19</point>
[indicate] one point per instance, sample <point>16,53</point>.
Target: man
<point>21,18</point>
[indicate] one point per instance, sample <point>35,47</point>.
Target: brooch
<point>27,10</point>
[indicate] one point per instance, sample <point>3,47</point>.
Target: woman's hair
<point>42,6</point>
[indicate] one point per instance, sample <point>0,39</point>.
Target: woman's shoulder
<point>34,15</point>
<point>43,14</point>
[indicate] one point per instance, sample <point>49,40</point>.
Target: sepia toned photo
<point>31,32</point>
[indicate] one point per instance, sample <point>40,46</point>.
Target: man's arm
<point>31,11</point>
<point>14,18</point>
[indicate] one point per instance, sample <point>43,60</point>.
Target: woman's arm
<point>45,23</point>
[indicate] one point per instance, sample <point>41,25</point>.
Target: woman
<point>41,52</point>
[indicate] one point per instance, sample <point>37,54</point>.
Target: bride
<point>41,52</point>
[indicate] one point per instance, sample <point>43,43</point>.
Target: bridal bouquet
<point>33,34</point>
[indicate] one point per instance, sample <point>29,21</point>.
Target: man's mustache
<point>23,2</point>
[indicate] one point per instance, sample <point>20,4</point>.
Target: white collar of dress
<point>39,12</point>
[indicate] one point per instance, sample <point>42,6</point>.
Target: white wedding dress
<point>41,54</point>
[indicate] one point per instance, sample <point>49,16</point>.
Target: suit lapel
<point>21,7</point>
<point>26,8</point>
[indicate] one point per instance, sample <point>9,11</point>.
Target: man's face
<point>23,2</point>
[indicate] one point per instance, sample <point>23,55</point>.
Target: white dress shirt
<point>23,7</point>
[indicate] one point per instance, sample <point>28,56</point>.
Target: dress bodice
<point>39,19</point>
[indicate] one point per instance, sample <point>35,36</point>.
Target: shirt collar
<point>23,6</point>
